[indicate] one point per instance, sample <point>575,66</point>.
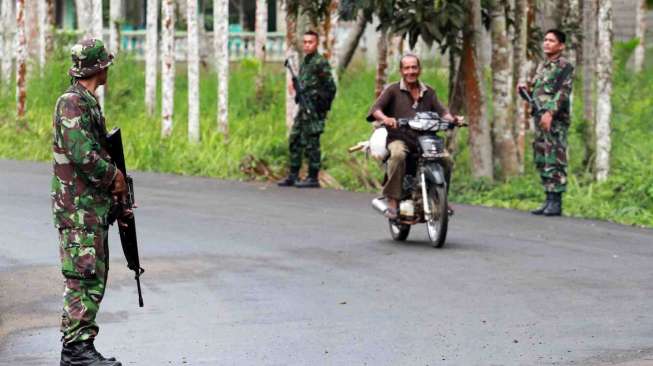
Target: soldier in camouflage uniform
<point>318,90</point>
<point>84,185</point>
<point>552,88</point>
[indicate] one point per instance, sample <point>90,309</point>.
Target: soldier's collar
<point>555,60</point>
<point>310,56</point>
<point>87,94</point>
<point>422,87</point>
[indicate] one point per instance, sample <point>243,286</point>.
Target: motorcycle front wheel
<point>439,222</point>
<point>399,232</point>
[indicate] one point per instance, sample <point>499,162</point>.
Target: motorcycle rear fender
<point>434,173</point>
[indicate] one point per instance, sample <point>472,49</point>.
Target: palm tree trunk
<point>151,55</point>
<point>604,86</point>
<point>193,60</point>
<point>220,25</point>
<point>502,89</point>
<point>167,65</point>
<point>480,142</point>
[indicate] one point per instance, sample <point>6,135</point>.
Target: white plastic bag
<point>378,140</point>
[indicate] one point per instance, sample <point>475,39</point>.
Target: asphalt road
<point>251,274</point>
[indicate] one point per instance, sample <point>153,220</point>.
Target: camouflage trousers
<point>550,156</point>
<point>304,139</point>
<point>84,257</point>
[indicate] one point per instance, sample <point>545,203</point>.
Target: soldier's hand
<point>522,86</point>
<point>119,189</point>
<point>390,122</point>
<point>545,121</point>
<point>459,120</point>
<point>291,88</point>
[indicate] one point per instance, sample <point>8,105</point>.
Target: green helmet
<point>89,57</point>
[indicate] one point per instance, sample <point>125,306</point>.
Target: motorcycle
<point>424,188</point>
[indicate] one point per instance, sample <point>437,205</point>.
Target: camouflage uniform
<point>550,147</point>
<point>81,195</point>
<point>314,76</point>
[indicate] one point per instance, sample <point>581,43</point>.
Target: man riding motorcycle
<point>404,99</point>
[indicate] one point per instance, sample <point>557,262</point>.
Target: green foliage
<point>257,127</point>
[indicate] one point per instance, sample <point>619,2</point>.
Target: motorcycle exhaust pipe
<point>380,204</point>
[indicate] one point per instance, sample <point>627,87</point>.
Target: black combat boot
<point>84,354</point>
<point>288,181</point>
<point>555,207</point>
<point>311,181</point>
<point>547,202</point>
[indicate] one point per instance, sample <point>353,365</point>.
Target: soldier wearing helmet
<point>85,183</point>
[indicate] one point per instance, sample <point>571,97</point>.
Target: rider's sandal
<point>391,213</point>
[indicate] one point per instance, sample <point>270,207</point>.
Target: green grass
<point>257,127</point>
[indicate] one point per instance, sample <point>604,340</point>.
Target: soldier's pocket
<point>78,253</point>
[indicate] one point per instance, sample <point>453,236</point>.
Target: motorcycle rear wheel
<point>399,232</point>
<point>437,226</point>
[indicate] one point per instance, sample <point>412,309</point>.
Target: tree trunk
<point>589,69</point>
<point>382,63</point>
<point>571,21</point>
<point>640,32</point>
<point>502,91</point>
<point>96,31</point>
<point>330,27</point>
<point>3,50</point>
<point>193,60</point>
<point>167,65</point>
<point>456,97</point>
<point>261,30</point>
<point>604,93</point>
<point>151,55</point>
<point>83,9</point>
<point>221,25</point>
<point>21,61</point>
<point>293,56</point>
<point>116,17</point>
<point>480,142</point>
<point>352,43</point>
<point>8,21</point>
<point>44,28</point>
<point>521,69</point>
<point>49,35</point>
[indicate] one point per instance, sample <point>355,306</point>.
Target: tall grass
<point>257,127</point>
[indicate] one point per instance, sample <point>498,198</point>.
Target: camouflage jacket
<point>556,100</point>
<point>317,81</point>
<point>83,171</point>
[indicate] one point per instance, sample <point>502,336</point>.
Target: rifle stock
<point>127,225</point>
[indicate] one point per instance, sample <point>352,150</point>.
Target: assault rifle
<point>127,224</point>
<point>299,89</point>
<point>536,108</point>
